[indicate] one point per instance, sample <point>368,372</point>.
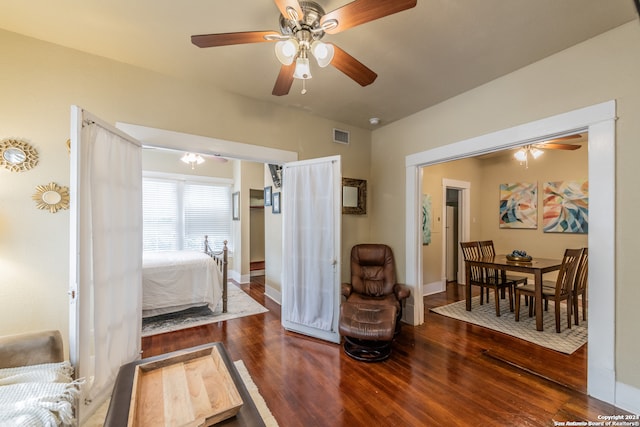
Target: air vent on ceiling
<point>340,136</point>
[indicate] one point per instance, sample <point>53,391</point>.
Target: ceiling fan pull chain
<point>304,86</point>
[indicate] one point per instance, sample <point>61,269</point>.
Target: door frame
<point>599,121</point>
<point>464,223</point>
<point>168,139</point>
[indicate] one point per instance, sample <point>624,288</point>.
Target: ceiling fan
<point>303,24</point>
<point>536,150</point>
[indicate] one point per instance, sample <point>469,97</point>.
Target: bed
<point>177,280</point>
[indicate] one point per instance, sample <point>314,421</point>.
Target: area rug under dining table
<point>239,304</point>
<point>567,341</point>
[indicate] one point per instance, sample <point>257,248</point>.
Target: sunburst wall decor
<point>17,155</point>
<point>51,197</point>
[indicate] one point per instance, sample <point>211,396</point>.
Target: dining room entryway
<point>599,122</point>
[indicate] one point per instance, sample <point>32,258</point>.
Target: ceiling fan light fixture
<point>192,159</point>
<point>520,155</point>
<point>535,152</point>
<point>286,51</point>
<point>302,71</point>
<point>323,52</point>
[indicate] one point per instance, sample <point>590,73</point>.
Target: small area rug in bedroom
<point>239,304</point>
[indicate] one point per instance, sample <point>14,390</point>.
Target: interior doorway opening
<point>256,233</point>
<point>452,240</point>
<point>599,121</point>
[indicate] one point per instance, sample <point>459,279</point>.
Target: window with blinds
<point>178,213</point>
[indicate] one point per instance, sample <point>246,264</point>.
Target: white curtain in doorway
<point>309,269</point>
<point>110,258</point>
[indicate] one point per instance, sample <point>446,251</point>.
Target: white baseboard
<point>628,398</point>
<point>433,288</point>
<point>240,278</point>
<point>407,314</point>
<point>256,273</point>
<point>273,294</point>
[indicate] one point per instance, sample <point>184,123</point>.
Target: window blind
<point>177,214</point>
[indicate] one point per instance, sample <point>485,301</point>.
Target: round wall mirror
<point>17,155</point>
<point>51,197</point>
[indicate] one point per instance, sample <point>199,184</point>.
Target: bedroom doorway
<point>166,139</point>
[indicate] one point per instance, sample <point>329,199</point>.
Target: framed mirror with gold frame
<point>51,197</point>
<point>17,155</point>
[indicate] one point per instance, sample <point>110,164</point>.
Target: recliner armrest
<point>346,289</point>
<point>402,291</point>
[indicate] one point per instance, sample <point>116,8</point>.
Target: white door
<point>105,272</point>
<point>312,214</point>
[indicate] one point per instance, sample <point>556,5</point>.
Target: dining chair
<point>487,249</point>
<point>480,277</point>
<point>560,290</point>
<point>580,286</point>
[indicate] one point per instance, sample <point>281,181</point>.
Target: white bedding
<point>174,281</point>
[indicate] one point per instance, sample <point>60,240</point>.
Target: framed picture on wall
<point>235,206</point>
<point>519,205</point>
<point>267,196</point>
<point>276,203</point>
<point>565,207</point>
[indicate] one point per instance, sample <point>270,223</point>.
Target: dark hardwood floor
<point>444,372</point>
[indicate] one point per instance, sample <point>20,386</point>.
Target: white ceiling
<point>422,56</point>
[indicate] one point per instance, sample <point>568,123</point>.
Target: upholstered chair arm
<point>31,348</point>
<point>402,291</point>
<point>346,289</point>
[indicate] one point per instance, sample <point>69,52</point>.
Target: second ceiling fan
<point>303,24</point>
<point>536,150</point>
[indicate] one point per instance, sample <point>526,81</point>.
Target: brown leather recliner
<point>370,316</point>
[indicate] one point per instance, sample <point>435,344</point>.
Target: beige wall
<point>41,81</point>
<point>273,243</point>
<point>601,69</point>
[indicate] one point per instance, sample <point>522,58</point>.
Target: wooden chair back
<point>582,273</point>
<point>486,248</point>
<point>567,273</point>
<point>471,250</point>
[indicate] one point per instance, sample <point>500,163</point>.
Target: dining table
<point>537,267</point>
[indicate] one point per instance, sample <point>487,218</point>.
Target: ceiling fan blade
<point>555,146</point>
<point>226,39</point>
<point>352,67</point>
<point>285,5</point>
<point>362,11</point>
<point>284,80</point>
<point>556,143</point>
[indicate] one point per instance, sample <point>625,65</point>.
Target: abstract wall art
<point>426,219</point>
<point>519,205</point>
<point>565,207</point>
